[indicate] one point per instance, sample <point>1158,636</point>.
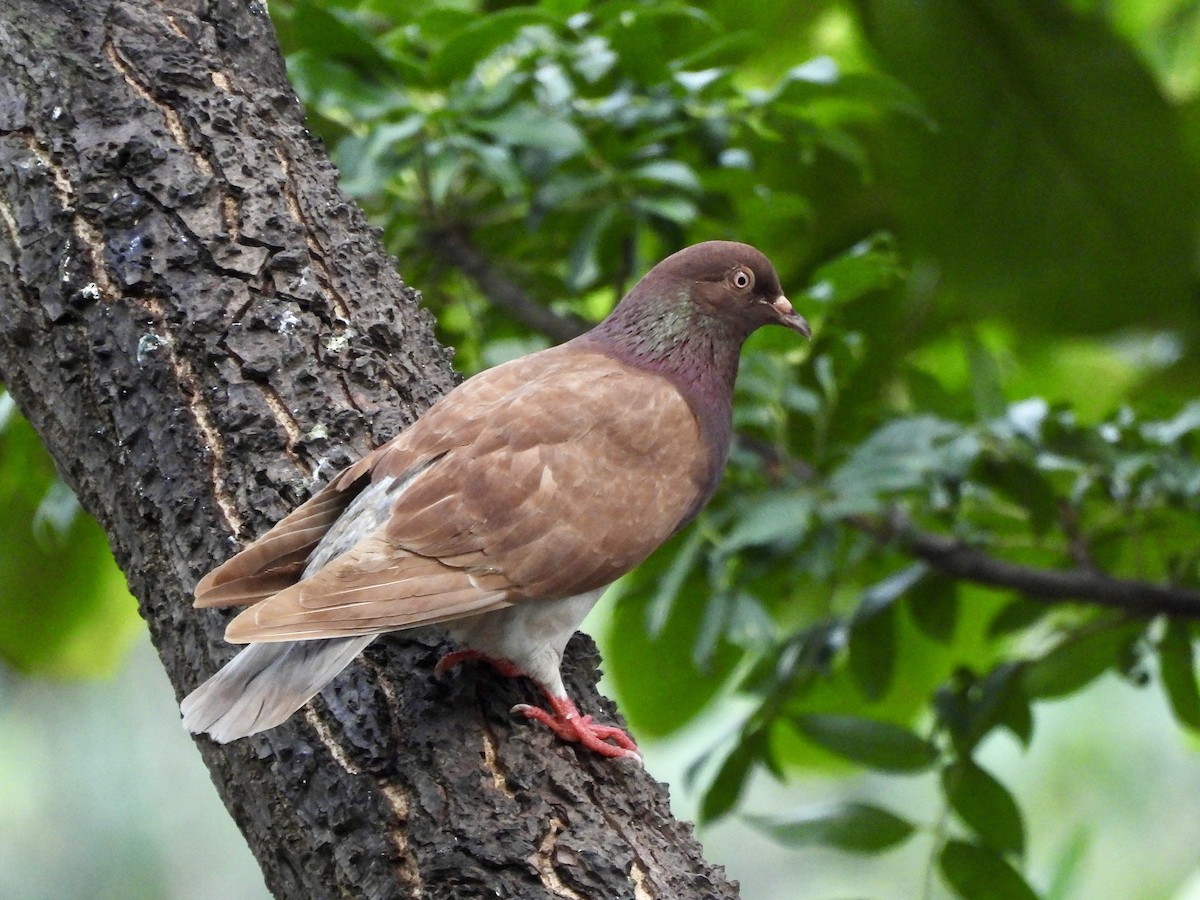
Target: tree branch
<point>459,251</point>
<point>955,558</point>
<point>202,329</point>
<point>960,560</point>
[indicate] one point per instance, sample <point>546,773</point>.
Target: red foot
<point>569,725</point>
<point>450,660</point>
<point>566,721</point>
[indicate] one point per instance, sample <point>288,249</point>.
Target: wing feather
<point>276,559</point>
<point>543,478</point>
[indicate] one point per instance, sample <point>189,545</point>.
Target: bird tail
<point>264,684</point>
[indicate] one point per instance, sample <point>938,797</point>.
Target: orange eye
<point>742,279</point>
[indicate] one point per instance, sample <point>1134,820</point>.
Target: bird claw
<point>574,728</point>
<point>565,721</point>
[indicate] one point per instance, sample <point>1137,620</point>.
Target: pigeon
<point>505,510</point>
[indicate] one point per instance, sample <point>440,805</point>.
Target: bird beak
<point>786,316</point>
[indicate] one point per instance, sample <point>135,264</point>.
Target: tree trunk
<point>202,329</point>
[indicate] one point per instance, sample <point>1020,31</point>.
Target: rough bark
<point>203,329</point>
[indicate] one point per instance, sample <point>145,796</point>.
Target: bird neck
<point>696,353</point>
<point>668,335</point>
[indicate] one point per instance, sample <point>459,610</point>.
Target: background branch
<point>456,249</point>
<point>948,555</point>
<point>955,558</point>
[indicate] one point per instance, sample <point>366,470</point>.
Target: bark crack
<point>407,869</point>
<point>316,255</point>
<point>641,890</point>
<point>325,736</point>
<point>102,287</point>
<point>189,384</point>
<point>396,798</point>
<point>63,188</point>
<point>171,118</point>
<point>231,217</point>
<point>287,421</point>
<point>171,23</point>
<point>639,867</point>
<point>491,760</point>
<point>543,862</point>
<point>10,224</point>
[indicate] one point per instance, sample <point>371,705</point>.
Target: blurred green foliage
<point>64,607</point>
<point>987,210</point>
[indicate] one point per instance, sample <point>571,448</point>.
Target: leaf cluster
<point>575,144</point>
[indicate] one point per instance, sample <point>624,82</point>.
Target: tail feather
<point>264,684</point>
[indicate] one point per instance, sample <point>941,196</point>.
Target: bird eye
<point>741,279</point>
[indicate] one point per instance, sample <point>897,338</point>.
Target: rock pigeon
<point>505,511</point>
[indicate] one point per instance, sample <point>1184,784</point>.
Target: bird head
<point>727,282</point>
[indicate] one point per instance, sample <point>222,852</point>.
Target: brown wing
<point>373,588</point>
<point>276,560</point>
<point>553,476</point>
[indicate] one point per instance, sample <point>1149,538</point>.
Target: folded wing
<point>544,478</point>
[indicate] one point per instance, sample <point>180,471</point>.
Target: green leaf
<point>726,787</point>
<point>969,707</point>
<point>1016,616</point>
<point>933,605</point>
<point>1023,484</point>
<point>648,37</point>
<point>1052,90</point>
<point>869,266</point>
<point>338,34</point>
<point>1177,661</point>
<point>903,455</point>
<point>1078,660</point>
<point>459,55</point>
<point>1011,705</point>
<point>873,651</point>
<point>986,387</point>
<point>857,827</point>
<point>877,745</point>
<point>885,593</point>
<point>526,126</point>
<point>985,806</point>
<point>1186,421</point>
<point>64,608</point>
<point>673,209</point>
<point>583,264</point>
<point>661,687</point>
<point>669,172</point>
<point>775,519</point>
<point>668,587</point>
<point>977,873</point>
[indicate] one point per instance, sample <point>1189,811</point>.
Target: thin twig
<point>457,250</point>
<point>948,555</point>
<point>958,559</point>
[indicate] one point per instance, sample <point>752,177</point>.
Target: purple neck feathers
<point>695,352</point>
